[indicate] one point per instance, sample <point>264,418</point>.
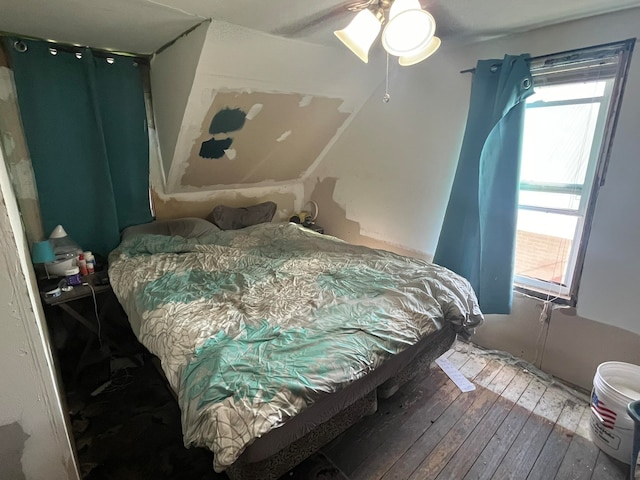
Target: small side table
<point>66,300</point>
<point>69,303</point>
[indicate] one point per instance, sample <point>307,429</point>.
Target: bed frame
<point>283,448</point>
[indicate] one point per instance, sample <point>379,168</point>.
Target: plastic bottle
<point>91,262</point>
<point>73,276</point>
<point>82,264</point>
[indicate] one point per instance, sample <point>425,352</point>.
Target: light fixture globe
<point>360,34</point>
<point>400,6</point>
<point>409,32</point>
<point>429,50</point>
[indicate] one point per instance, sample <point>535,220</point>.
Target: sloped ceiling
<point>144,26</point>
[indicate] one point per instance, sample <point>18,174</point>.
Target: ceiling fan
<point>409,30</point>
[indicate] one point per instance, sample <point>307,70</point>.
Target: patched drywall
<point>295,98</point>
<point>255,137</point>
<point>12,438</point>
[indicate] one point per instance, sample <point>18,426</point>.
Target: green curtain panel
<point>477,239</point>
<point>85,123</point>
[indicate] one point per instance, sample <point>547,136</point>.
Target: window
<point>568,129</point>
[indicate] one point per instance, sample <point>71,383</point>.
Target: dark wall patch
<point>227,120</point>
<point>215,148</point>
<point>12,439</point>
<point>283,135</point>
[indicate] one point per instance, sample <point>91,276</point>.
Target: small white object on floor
<point>101,388</point>
<point>454,374</point>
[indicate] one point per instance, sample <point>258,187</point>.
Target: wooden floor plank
<point>557,443</point>
<point>581,455</point>
<point>402,438</point>
<point>361,441</point>
<point>473,446</point>
<point>429,439</point>
<point>371,452</point>
<point>520,458</point>
<point>370,431</point>
<point>489,460</point>
<point>437,460</point>
<point>608,468</point>
<point>514,425</point>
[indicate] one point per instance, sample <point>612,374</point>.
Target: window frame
<point>610,62</point>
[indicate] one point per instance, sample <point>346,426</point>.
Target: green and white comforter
<point>253,325</point>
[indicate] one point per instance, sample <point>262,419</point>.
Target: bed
<point>275,338</point>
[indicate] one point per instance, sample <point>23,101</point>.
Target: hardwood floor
<point>513,426</point>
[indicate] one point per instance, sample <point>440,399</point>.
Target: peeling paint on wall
<point>8,142</point>
<point>254,111</point>
<point>230,153</point>
<point>271,137</point>
<point>16,154</point>
<point>305,101</point>
<point>12,439</point>
<point>284,136</point>
<point>31,394</point>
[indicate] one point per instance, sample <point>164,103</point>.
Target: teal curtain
<point>85,123</point>
<point>477,239</point>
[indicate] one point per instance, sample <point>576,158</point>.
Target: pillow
<point>230,218</point>
<point>189,227</point>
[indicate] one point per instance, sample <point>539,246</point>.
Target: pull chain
<point>386,97</point>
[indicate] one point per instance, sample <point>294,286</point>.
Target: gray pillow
<point>230,218</point>
<point>189,227</point>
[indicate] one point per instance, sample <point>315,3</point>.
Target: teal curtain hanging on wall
<point>85,124</point>
<point>477,239</point>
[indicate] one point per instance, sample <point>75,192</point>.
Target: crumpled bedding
<point>253,325</point>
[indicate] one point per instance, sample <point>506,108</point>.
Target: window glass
<point>568,129</point>
<point>557,143</point>
<point>543,245</point>
<point>550,200</point>
<point>568,91</point>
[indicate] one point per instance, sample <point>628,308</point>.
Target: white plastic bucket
<point>615,385</point>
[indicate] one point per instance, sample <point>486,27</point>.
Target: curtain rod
<point>71,47</point>
<point>628,43</point>
<point>473,70</point>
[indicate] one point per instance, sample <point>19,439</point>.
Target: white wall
<point>32,420</point>
<point>395,163</point>
<point>173,72</point>
<point>394,166</point>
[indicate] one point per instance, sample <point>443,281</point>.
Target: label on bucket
<point>604,414</point>
<point>604,434</point>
